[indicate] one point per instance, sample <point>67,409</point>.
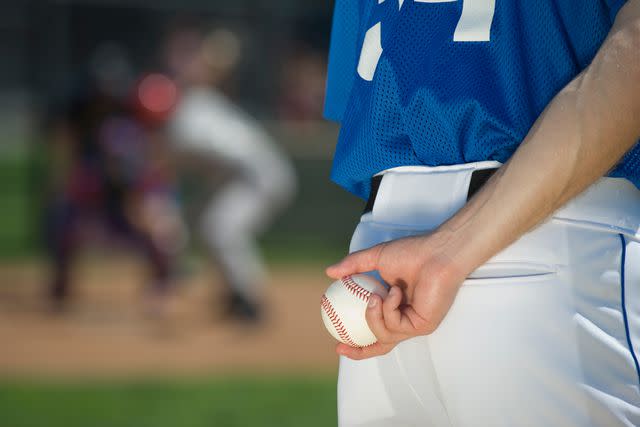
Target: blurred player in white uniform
<point>209,128</point>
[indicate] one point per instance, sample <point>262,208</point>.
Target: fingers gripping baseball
<point>375,319</point>
<point>384,320</point>
<point>391,309</point>
<point>357,262</point>
<point>422,291</point>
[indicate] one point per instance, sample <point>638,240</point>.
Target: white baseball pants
<point>547,333</point>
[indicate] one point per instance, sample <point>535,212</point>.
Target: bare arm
<point>581,135</point>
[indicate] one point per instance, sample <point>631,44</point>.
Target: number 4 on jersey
<point>474,26</point>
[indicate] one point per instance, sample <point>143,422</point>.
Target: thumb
<point>356,262</point>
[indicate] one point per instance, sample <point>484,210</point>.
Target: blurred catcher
<point>209,131</point>
<point>109,171</point>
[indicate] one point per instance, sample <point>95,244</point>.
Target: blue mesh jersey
<point>437,82</point>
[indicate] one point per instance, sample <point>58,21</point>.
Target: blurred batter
<point>208,128</point>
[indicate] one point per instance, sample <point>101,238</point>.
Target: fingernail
<point>372,302</point>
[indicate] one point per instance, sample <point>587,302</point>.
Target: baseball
<point>343,307</point>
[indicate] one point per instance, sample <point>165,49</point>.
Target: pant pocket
<point>497,272</point>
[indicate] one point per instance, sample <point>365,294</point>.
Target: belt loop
<point>375,185</point>
<point>479,177</point>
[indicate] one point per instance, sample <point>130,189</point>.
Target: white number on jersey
<point>475,21</point>
<point>474,26</point>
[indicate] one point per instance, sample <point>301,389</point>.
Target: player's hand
<point>424,282</point>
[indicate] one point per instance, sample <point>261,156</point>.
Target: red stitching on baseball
<point>356,289</point>
<point>336,322</point>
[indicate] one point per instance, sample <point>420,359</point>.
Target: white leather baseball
<point>343,307</point>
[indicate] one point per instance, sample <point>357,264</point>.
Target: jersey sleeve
<point>342,58</point>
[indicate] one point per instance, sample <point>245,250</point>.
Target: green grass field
<point>269,401</point>
<point>18,216</point>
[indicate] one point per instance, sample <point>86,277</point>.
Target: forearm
<point>581,135</point>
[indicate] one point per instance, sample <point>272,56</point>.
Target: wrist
<point>448,257</point>
<point>462,249</point>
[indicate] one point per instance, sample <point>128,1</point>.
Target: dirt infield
<point>106,331</point>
